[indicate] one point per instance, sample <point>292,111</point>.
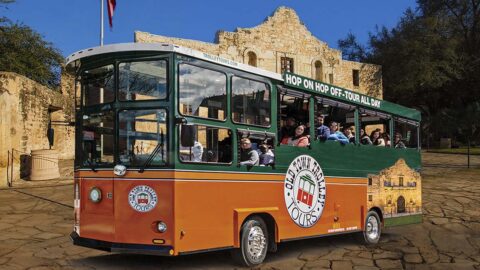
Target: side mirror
<point>187,135</point>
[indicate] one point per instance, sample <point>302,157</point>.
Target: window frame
<point>132,60</point>
<point>82,85</point>
<point>269,86</point>
<point>178,145</point>
<point>178,91</point>
<point>117,136</point>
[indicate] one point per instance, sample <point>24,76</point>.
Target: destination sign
<point>304,83</point>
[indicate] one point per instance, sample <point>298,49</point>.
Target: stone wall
<point>26,108</point>
<point>284,35</point>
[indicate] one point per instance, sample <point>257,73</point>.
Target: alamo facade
<point>281,43</point>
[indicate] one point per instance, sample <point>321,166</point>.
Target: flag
<point>111,7</point>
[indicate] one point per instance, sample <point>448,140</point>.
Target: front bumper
<point>120,247</point>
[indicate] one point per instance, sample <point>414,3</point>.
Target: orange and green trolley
<point>158,151</point>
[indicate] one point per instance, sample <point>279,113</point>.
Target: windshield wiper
<point>154,153</point>
<point>92,166</point>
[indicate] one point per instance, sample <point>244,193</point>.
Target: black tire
<point>373,228</point>
<point>252,230</point>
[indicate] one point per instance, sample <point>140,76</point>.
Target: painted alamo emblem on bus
<point>142,198</point>
<point>305,191</point>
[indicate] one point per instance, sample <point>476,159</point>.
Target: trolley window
<point>142,80</point>
<point>250,102</point>
<point>202,92</point>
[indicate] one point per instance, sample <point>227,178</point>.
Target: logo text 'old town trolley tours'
<point>142,198</point>
<point>305,191</point>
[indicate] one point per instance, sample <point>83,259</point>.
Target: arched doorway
<point>318,71</point>
<point>400,205</point>
<point>252,59</point>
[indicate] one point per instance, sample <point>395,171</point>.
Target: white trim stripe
<point>164,47</point>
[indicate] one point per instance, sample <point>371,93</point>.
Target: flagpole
<point>101,23</point>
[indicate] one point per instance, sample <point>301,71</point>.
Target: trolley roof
<point>360,99</point>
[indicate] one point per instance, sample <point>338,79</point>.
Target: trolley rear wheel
<point>253,243</point>
<point>373,228</point>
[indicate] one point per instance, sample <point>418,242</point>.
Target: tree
<point>430,61</point>
<point>25,52</point>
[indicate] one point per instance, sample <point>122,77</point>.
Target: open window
<point>374,128</point>
<point>406,133</point>
<point>207,144</point>
<point>261,143</point>
<point>338,117</point>
<point>294,112</point>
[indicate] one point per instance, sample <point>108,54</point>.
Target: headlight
<point>161,226</point>
<point>95,195</point>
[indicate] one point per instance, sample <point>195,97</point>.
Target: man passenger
<point>289,129</point>
<point>322,131</point>
<point>336,135</point>
<point>248,156</point>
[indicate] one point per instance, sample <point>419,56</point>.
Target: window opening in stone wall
<point>330,78</point>
<point>286,64</point>
<point>356,77</point>
<point>252,59</point>
<point>318,71</point>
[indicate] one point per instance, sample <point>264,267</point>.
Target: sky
<point>73,25</point>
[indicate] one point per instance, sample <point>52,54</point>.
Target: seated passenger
<point>376,138</point>
<point>398,141</point>
<point>266,155</point>
<point>322,131</point>
<point>289,129</point>
<point>197,152</point>
<point>386,139</point>
<point>336,135</point>
<point>300,139</point>
<point>248,156</point>
<point>364,139</point>
<point>348,132</point>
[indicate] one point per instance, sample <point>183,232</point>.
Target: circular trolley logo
<point>142,198</point>
<point>305,191</point>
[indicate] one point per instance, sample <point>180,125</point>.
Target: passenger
<point>300,139</point>
<point>266,155</point>
<point>322,131</point>
<point>248,156</point>
<point>197,152</point>
<point>376,138</point>
<point>386,139</point>
<point>289,129</point>
<point>348,132</point>
<point>398,141</point>
<point>364,139</point>
<point>336,135</point>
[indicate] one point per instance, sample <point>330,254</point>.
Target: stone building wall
<point>26,108</point>
<point>284,35</point>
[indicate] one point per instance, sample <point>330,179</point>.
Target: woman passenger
<point>299,139</point>
<point>376,138</point>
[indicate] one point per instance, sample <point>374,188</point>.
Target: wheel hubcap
<point>256,242</point>
<point>372,228</point>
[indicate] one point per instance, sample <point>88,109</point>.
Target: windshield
<point>97,139</point>
<point>142,136</point>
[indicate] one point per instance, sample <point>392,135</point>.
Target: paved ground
<point>34,234</point>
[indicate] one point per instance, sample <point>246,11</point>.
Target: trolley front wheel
<point>253,243</point>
